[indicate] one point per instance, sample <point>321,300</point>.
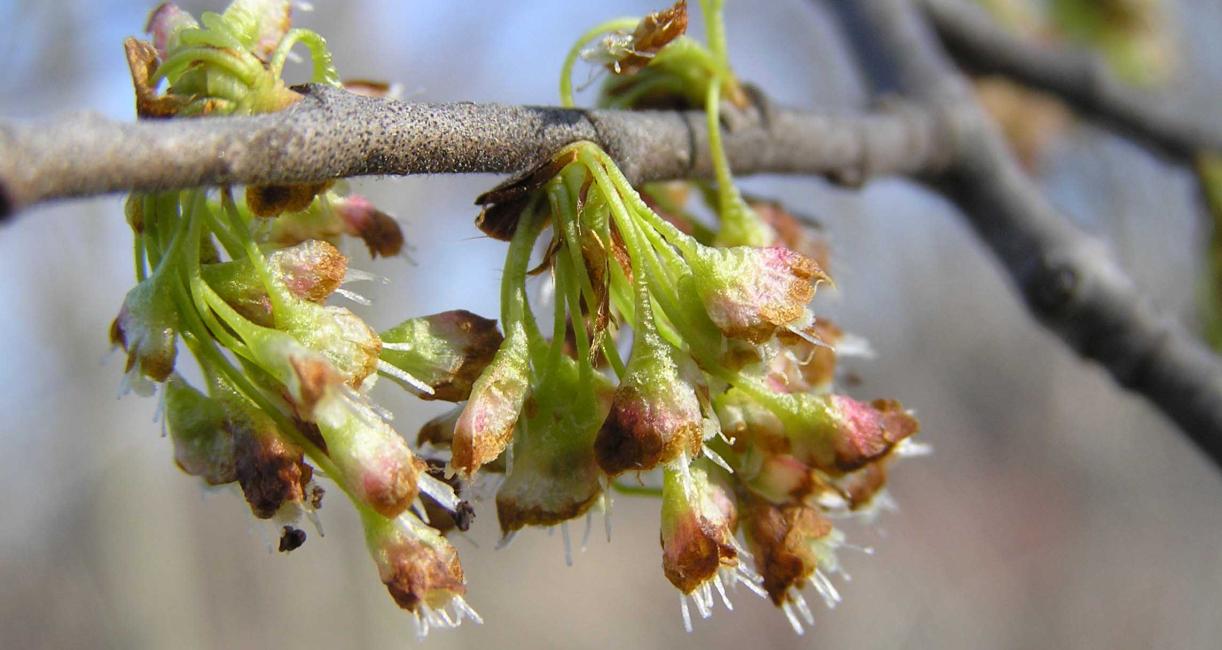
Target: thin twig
<point>1165,120</point>
<point>1069,279</point>
<point>334,134</point>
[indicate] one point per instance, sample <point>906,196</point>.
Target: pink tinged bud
<point>203,446</point>
<point>486,425</point>
<point>146,328</point>
<point>751,292</point>
<point>379,230</point>
<point>375,461</point>
<point>698,520</point>
<point>164,24</point>
<point>419,568</point>
<point>553,476</point>
<point>655,415</point>
<point>446,351</point>
<point>439,433</point>
<point>309,271</point>
<point>790,543</point>
<point>838,434</point>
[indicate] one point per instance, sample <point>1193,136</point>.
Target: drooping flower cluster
<point>244,282</point>
<point>728,385</point>
<point>726,388</point>
<point>679,354</point>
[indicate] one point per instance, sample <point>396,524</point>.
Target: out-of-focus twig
<point>1165,121</point>
<point>1069,280</point>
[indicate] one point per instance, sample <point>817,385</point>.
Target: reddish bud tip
<point>751,292</point>
<point>379,230</point>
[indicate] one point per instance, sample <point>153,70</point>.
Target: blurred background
<point>1056,511</point>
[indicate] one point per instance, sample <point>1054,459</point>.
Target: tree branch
<point>1084,80</point>
<point>1069,280</point>
<point>334,134</point>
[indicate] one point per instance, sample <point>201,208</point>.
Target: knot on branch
<point>1051,288</point>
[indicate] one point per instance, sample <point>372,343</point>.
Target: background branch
<point>1164,121</point>
<point>1069,279</point>
<point>332,134</point>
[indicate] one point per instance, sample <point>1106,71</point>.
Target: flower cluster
<point>723,400</point>
<point>727,388</point>
<point>243,281</point>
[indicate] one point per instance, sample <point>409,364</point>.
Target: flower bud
<point>487,422</point>
<point>311,271</point>
<point>419,568</point>
<point>341,336</point>
<point>751,292</point>
<point>655,414</point>
<point>553,475</point>
<point>305,376</point>
<point>203,446</point>
<point>839,434</point>
<point>447,351</point>
<point>439,433</point>
<point>698,520</point>
<point>375,461</point>
<point>146,328</point>
<point>790,543</point>
<point>379,230</point>
<point>164,24</point>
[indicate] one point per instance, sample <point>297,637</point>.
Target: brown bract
<point>696,549</point>
<point>314,378</point>
<point>503,204</point>
<point>415,572</point>
<point>142,61</point>
<point>782,539</point>
<point>272,200</point>
<point>269,469</point>
<point>654,32</point>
